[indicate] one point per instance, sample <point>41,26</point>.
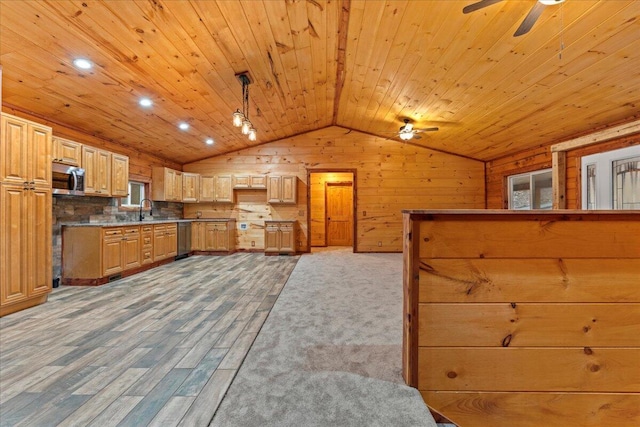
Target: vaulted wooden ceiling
<point>363,65</point>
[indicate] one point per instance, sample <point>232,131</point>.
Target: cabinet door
<point>210,235</point>
<point>13,241</point>
<point>287,238</point>
<point>190,187</point>
<point>14,155</point>
<point>241,181</point>
<point>171,241</point>
<point>103,178</point>
<point>271,238</point>
<point>40,155</point>
<point>67,151</point>
<point>112,251</point>
<point>207,188</point>
<point>159,242</point>
<point>288,190</point>
<point>224,191</point>
<point>258,181</point>
<point>39,245</point>
<point>131,248</point>
<point>222,237</point>
<point>97,171</point>
<point>274,189</point>
<point>119,175</point>
<point>177,187</point>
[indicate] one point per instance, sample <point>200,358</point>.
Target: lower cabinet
<point>165,241</point>
<point>213,236</point>
<point>92,254</point>
<point>279,237</point>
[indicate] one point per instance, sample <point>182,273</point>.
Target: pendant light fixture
<point>241,118</point>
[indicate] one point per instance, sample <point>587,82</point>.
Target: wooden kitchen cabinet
<point>146,244</point>
<point>207,188</point>
<point>25,246</point>
<point>250,181</point>
<point>190,187</point>
<point>119,175</point>
<point>97,171</point>
<point>224,189</point>
<point>67,152</point>
<point>165,241</point>
<point>213,236</point>
<point>282,189</point>
<point>279,237</point>
<point>25,152</point>
<point>166,185</point>
<point>25,214</point>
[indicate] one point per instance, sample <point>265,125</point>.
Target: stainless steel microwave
<point>67,179</point>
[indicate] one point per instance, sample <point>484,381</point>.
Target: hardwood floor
<point>159,348</point>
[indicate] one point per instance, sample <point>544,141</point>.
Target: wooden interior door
<point>339,205</point>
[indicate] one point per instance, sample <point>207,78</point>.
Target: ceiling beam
<point>597,137</point>
<point>343,29</point>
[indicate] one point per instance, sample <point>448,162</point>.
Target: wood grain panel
<point>529,239</point>
<point>510,409</point>
<point>528,325</point>
<point>529,280</point>
<point>529,369</point>
<point>379,216</point>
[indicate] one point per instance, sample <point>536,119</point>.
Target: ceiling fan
<point>407,131</point>
<point>528,21</point>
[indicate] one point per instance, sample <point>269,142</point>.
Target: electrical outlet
<point>253,243</point>
<point>198,214</point>
<point>379,243</point>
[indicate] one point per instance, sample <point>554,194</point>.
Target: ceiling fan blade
<point>415,136</point>
<point>479,5</point>
<point>530,19</point>
<point>433,129</point>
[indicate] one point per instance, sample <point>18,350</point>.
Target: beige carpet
<point>329,353</point>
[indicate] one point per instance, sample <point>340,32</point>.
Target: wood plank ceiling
<point>363,65</point>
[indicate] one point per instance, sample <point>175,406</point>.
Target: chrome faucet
<point>150,208</point>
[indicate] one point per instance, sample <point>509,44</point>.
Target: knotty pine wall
<point>391,176</point>
<point>540,158</point>
<point>524,319</point>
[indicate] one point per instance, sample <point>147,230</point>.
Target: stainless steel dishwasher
<point>184,239</point>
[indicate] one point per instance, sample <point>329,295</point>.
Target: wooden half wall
<point>391,176</point>
<point>524,319</point>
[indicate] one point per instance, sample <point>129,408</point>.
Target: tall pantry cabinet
<point>25,214</point>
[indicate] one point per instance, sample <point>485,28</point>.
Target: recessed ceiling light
<point>209,141</point>
<point>145,102</point>
<point>183,126</point>
<point>82,63</point>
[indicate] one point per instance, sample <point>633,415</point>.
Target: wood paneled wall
<point>139,163</point>
<point>391,176</point>
<point>524,319</point>
<point>527,161</point>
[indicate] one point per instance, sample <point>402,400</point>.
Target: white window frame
<point>604,174</point>
<point>531,174</point>
<point>126,201</point>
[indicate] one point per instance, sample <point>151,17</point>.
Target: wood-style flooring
<point>159,348</point>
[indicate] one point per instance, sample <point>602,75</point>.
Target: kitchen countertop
<point>155,221</point>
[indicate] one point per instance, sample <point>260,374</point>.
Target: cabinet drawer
<point>131,231</point>
<point>111,232</point>
<point>147,240</point>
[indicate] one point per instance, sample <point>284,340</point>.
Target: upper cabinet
<point>282,189</point>
<point>190,187</point>
<point>119,175</point>
<point>25,152</point>
<point>167,184</point>
<point>223,189</point>
<point>207,188</point>
<point>249,181</point>
<point>67,151</point>
<point>97,176</point>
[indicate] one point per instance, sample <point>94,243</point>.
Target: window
<point>136,194</point>
<point>611,180</point>
<point>531,190</point>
